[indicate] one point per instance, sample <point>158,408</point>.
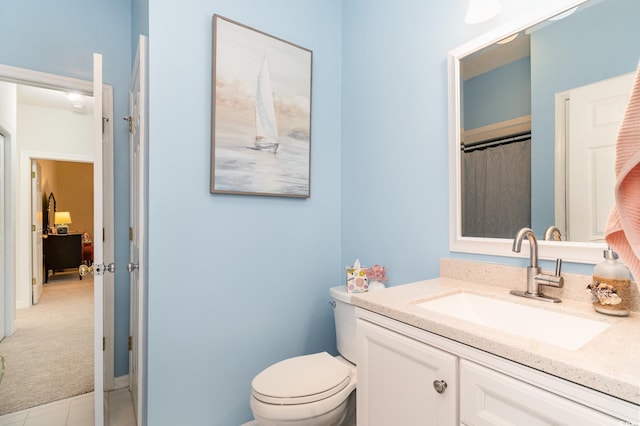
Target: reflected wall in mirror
<point>513,125</point>
<point>522,78</point>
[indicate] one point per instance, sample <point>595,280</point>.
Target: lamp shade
<point>481,10</point>
<point>62,218</point>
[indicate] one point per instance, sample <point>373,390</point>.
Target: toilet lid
<point>301,380</point>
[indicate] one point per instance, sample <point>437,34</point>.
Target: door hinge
<point>33,175</point>
<point>130,343</point>
<point>104,343</point>
<point>33,281</point>
<point>33,227</point>
<point>130,120</point>
<point>130,233</point>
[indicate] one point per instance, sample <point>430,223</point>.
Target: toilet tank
<point>345,315</point>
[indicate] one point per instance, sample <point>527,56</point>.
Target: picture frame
<point>261,113</point>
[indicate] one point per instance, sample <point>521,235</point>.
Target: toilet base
<point>343,415</point>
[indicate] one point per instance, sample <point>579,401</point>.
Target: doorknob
<point>100,269</point>
<point>132,266</point>
<point>439,385</point>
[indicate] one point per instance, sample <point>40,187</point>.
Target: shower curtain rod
<point>495,142</point>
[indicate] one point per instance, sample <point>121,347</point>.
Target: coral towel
<point>623,228</point>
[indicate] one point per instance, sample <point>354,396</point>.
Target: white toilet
<point>316,389</point>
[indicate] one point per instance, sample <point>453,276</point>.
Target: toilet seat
<point>301,380</point>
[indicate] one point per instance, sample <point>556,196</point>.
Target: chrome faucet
<point>535,277</point>
<point>552,234</point>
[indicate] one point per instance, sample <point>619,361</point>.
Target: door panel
<point>595,113</point>
<point>98,252</point>
<point>137,96</point>
<point>134,250</point>
<point>404,394</point>
<point>2,238</point>
<point>36,232</point>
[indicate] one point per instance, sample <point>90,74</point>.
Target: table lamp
<point>61,220</point>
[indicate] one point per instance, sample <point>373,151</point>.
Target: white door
<point>595,113</point>
<point>37,267</point>
<point>98,250</point>
<point>138,142</point>
<point>2,266</point>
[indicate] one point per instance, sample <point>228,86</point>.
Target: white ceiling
<point>56,99</point>
<point>495,56</point>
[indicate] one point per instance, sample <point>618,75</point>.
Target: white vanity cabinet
<point>400,367</point>
<point>490,398</point>
<point>396,376</point>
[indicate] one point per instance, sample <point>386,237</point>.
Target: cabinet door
<point>491,398</point>
<point>396,377</point>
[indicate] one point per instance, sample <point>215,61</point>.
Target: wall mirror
<point>513,93</point>
<point>51,212</point>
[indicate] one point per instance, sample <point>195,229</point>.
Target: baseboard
<point>121,382</point>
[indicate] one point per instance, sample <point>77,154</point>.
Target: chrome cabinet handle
<point>440,386</point>
<point>132,266</point>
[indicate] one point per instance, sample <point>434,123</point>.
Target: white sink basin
<point>566,331</point>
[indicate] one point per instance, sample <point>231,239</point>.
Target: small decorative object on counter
<point>357,281</point>
<point>377,276</point>
<point>610,288</point>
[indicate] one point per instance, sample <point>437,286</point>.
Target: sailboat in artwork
<point>267,138</point>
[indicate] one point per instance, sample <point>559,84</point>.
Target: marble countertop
<point>609,363</point>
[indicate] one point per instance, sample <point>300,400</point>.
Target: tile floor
<point>76,411</point>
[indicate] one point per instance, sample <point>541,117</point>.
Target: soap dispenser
<point>611,286</point>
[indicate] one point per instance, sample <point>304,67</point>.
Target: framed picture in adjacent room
<point>261,113</point>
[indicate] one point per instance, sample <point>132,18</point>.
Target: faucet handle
<point>555,280</point>
<point>558,266</point>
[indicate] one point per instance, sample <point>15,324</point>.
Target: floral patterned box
<point>357,281</point>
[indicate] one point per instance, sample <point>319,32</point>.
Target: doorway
<point>56,333</point>
<point>19,201</point>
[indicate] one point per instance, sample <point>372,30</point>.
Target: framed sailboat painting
<point>261,113</point>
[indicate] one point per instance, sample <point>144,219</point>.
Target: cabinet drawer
<point>491,398</point>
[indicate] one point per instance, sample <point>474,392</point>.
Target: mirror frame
<point>50,214</point>
<point>577,252</point>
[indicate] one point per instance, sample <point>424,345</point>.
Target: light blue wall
<point>139,23</point>
<point>60,38</point>
<point>394,135</point>
<point>573,52</point>
<point>498,95</point>
<point>236,283</point>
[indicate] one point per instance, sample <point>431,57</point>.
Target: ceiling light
<point>563,14</point>
<point>481,10</point>
<point>508,39</point>
<point>73,97</point>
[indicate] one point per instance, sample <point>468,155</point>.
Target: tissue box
<point>357,281</point>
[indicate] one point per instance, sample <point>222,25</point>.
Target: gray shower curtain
<point>496,190</point>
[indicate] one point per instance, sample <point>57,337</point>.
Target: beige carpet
<point>50,356</point>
